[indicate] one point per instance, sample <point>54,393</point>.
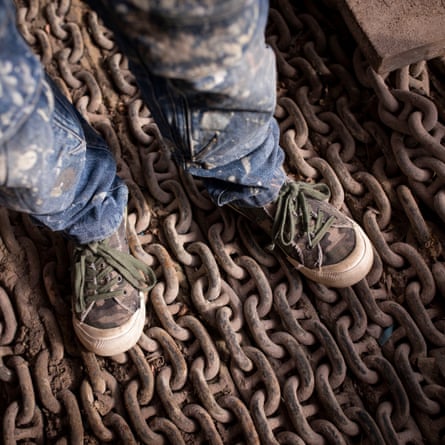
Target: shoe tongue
<point>118,240</point>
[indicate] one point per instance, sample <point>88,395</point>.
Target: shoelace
<point>293,209</point>
<point>97,281</point>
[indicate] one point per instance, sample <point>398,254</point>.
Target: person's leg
<point>208,79</point>
<point>53,165</point>
<point>56,168</point>
<point>61,172</point>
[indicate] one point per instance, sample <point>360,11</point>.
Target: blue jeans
<point>209,81</point>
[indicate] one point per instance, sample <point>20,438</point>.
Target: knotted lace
<point>95,281</point>
<point>294,213</point>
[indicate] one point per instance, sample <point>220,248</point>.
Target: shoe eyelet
<point>119,278</point>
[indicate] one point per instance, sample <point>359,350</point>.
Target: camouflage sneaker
<point>109,292</point>
<point>322,243</point>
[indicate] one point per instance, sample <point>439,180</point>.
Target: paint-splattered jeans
<point>209,81</point>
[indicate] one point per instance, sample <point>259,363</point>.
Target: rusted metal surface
<point>237,347</point>
<point>397,33</point>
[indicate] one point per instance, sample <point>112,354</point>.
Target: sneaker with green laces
<point>109,292</point>
<point>318,240</point>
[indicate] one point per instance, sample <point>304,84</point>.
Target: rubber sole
<point>346,273</point>
<point>109,342</point>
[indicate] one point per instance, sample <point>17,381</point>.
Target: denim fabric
<point>52,164</point>
<point>209,81</point>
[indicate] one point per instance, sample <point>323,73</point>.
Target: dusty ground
<point>237,347</point>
